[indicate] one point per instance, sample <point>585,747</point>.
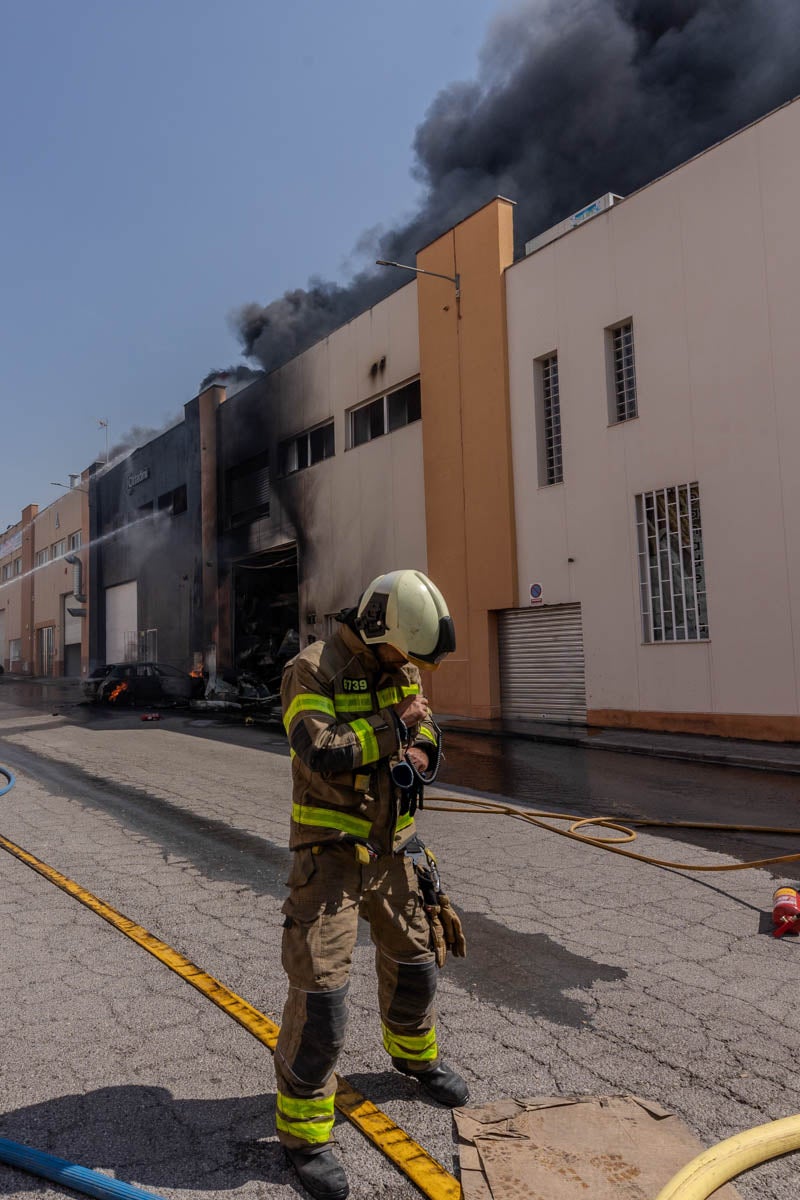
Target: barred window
<point>622,363</point>
<point>548,420</point>
<point>671,569</point>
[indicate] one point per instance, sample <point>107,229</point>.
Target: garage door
<point>121,619</point>
<point>541,663</point>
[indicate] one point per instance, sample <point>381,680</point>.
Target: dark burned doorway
<point>265,613</point>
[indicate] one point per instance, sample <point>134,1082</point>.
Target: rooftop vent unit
<point>578,218</point>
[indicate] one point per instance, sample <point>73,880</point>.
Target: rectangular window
<point>15,649</point>
<point>6,572</point>
<point>385,414</point>
<point>621,373</point>
<point>42,556</point>
<point>672,579</point>
<point>58,549</point>
<point>548,420</point>
<point>17,566</point>
<point>307,449</point>
<point>248,488</point>
<point>173,502</point>
<point>75,540</point>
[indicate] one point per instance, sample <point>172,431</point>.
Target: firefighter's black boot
<point>320,1173</point>
<point>441,1083</point>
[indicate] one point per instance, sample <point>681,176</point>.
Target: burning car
<point>122,684</point>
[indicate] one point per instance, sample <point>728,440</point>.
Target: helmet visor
<point>445,644</point>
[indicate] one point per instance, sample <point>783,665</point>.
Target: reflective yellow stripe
<point>427,733</point>
<point>417,1049</point>
<point>308,1110</point>
<point>345,702</point>
<point>404,821</point>
<point>369,743</point>
<point>311,1120</point>
<point>393,695</point>
<point>310,1131</point>
<point>331,818</point>
<point>308,702</point>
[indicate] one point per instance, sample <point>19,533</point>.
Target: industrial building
<point>146,592</point>
<point>593,451</point>
<point>654,362</point>
<point>44,629</point>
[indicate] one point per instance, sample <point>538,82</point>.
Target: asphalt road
<point>586,973</point>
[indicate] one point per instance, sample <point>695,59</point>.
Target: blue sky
<point>165,161</point>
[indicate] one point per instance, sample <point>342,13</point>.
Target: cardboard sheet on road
<point>563,1148</point>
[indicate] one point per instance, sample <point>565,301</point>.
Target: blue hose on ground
<point>11,780</point>
<point>80,1179</point>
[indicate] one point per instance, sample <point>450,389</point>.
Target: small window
<point>548,420</point>
<point>248,488</point>
<point>6,572</point>
<point>404,406</point>
<point>173,502</point>
<point>14,649</point>
<point>17,566</point>
<point>42,557</point>
<point>307,449</point>
<point>59,549</point>
<point>385,414</point>
<point>74,539</point>
<point>179,502</point>
<point>621,373</point>
<point>672,578</point>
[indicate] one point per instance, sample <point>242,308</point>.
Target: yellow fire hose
<point>624,827</point>
<point>723,1162</point>
<point>710,1170</point>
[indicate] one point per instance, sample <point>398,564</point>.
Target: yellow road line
<point>422,1169</point>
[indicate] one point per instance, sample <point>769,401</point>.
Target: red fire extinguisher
<point>785,911</point>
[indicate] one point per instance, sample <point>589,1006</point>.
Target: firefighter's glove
<point>438,942</point>
<point>452,928</point>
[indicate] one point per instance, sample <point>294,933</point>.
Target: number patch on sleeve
<point>355,685</point>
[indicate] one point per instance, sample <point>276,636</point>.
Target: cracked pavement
<point>587,973</point>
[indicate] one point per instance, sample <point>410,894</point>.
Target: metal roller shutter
<point>541,663</point>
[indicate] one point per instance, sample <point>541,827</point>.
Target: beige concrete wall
<point>10,596</point>
<point>362,512</point>
<point>706,262</point>
<point>50,583</point>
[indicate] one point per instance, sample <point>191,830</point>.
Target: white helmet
<point>404,609</point>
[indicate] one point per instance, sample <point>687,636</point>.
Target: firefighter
<point>354,710</point>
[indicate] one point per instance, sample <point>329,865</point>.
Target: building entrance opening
<point>266,614</point>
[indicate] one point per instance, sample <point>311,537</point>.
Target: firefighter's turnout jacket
<point>347,837</point>
<point>344,738</point>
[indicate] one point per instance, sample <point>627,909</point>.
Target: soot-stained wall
<point>145,526</point>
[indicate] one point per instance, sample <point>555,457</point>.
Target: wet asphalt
<point>530,774</point>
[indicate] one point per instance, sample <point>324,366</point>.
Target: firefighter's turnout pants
<point>330,888</point>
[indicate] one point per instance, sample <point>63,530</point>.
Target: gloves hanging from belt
<point>447,932</point>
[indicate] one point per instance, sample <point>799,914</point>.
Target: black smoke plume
<point>573,99</point>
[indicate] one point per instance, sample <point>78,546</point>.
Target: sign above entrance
<point>536,594</point>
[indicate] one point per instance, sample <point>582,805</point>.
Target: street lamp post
<point>456,279</point>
